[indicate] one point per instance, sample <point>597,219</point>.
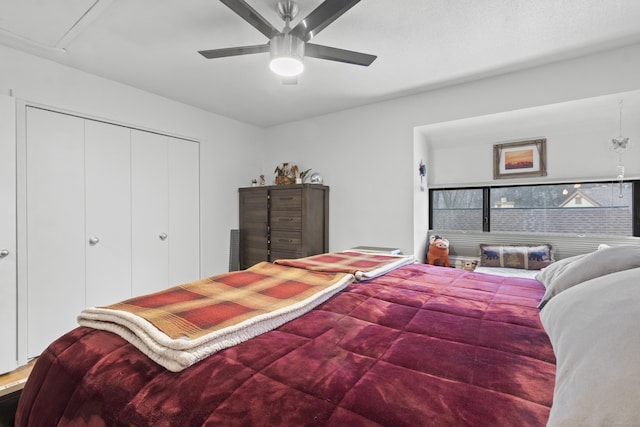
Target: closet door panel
<point>55,225</point>
<point>184,212</point>
<point>150,201</point>
<point>108,213</point>
<point>8,277</point>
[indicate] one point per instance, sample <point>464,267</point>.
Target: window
<point>569,208</point>
<point>457,209</point>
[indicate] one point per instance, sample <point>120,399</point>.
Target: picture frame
<point>519,159</point>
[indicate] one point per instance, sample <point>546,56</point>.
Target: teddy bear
<point>438,253</point>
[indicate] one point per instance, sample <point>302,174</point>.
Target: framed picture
<point>520,159</point>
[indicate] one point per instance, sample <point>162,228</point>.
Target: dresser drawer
<point>283,220</point>
<point>252,199</point>
<point>278,254</point>
<point>286,200</point>
<point>285,241</point>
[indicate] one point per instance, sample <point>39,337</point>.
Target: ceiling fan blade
<point>339,55</point>
<point>250,15</point>
<point>234,51</point>
<point>322,16</point>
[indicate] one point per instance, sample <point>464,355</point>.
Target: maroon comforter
<point>421,345</point>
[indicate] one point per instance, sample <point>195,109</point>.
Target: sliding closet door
<point>8,277</point>
<point>150,215</point>
<point>108,213</point>
<point>112,212</point>
<point>165,211</point>
<point>55,225</point>
<point>184,211</point>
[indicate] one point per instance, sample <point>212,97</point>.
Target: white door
<point>165,211</point>
<point>55,225</point>
<point>8,295</point>
<point>184,211</point>
<point>108,213</point>
<point>149,212</point>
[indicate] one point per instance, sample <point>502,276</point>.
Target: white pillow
<point>596,339</point>
<point>549,274</point>
<point>582,268</point>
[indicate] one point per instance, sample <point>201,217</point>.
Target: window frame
<point>486,200</point>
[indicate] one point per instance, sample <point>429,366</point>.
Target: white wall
<point>420,194</point>
<point>367,154</point>
<point>226,146</point>
<point>578,137</point>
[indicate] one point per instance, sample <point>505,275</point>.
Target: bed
<point>417,345</point>
<point>403,344</point>
<point>591,311</point>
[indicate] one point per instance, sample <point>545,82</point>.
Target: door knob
<point>93,240</point>
<point>4,253</point>
<point>163,236</point>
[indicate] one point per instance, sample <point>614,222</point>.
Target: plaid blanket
<point>363,266</point>
<point>180,326</point>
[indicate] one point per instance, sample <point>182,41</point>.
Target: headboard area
<point>466,243</point>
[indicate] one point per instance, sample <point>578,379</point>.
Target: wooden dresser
<point>283,221</point>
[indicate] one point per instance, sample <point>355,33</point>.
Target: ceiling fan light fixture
<point>286,55</point>
<point>286,67</point>
<point>290,46</point>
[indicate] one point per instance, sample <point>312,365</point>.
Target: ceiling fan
<point>289,46</point>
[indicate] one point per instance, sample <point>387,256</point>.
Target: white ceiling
<point>420,44</point>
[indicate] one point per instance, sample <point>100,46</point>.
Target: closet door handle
<point>4,253</point>
<point>163,236</point>
<point>93,240</point>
